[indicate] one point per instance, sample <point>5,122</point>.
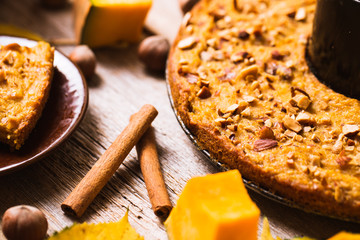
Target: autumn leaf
<point>121,230</point>
<point>6,29</point>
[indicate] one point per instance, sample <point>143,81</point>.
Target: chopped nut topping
<point>186,19</point>
<point>243,35</point>
<point>276,55</point>
<point>8,59</point>
<point>236,58</point>
<point>306,128</point>
<point>2,76</point>
<point>239,56</point>
<point>337,147</point>
<point>236,117</point>
<point>264,144</point>
<point>284,72</point>
<point>249,99</point>
<point>255,85</point>
<point>191,78</point>
<point>218,55</point>
<point>242,105</point>
<point>343,160</point>
<point>323,105</point>
<point>289,64</point>
<point>246,112</point>
<point>220,121</point>
<point>226,115</point>
<point>300,101</point>
<point>183,61</point>
<point>232,127</point>
<point>350,142</point>
<point>206,56</point>
<point>227,76</point>
<point>292,124</point>
<point>232,108</point>
<point>183,69</point>
<point>350,130</point>
<point>12,47</point>
<point>225,34</point>
<point>204,93</point>
<point>349,148</point>
<point>187,43</point>
<point>290,162</point>
<point>298,138</point>
<point>290,109</point>
<point>271,78</point>
<point>266,133</point>
<point>305,119</point>
<point>290,155</point>
<point>291,14</point>
<point>218,14</point>
<point>250,129</point>
<point>290,134</point>
<point>324,121</point>
<point>212,42</point>
<point>204,83</point>
<point>251,70</point>
<point>300,14</point>
<point>315,138</point>
<point>268,123</point>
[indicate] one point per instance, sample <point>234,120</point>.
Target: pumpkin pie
<point>25,80</point>
<point>241,84</point>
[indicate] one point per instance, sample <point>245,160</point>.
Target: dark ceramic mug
<point>334,47</point>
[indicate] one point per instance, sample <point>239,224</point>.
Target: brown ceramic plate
<point>63,112</point>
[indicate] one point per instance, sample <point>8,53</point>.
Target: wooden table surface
<point>121,86</point>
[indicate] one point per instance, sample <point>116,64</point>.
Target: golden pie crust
<point>25,80</point>
<point>241,84</point>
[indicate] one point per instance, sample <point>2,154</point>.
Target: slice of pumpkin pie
<point>25,79</point>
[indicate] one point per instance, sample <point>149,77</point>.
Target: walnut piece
<point>343,160</point>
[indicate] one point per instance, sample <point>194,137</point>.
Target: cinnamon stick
<point>85,192</point>
<point>154,181</point>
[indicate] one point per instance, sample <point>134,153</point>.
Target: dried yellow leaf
<point>121,230</point>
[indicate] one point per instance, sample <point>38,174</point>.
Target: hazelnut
<point>85,59</point>
<point>24,222</point>
<point>153,52</point>
<point>187,5</point>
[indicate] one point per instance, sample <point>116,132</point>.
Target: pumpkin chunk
<point>345,236</point>
<point>214,207</point>
<point>104,22</point>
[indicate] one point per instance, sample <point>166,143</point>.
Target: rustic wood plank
<point>119,89</point>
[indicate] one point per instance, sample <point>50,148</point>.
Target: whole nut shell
<point>24,222</point>
<point>85,59</point>
<point>153,52</point>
